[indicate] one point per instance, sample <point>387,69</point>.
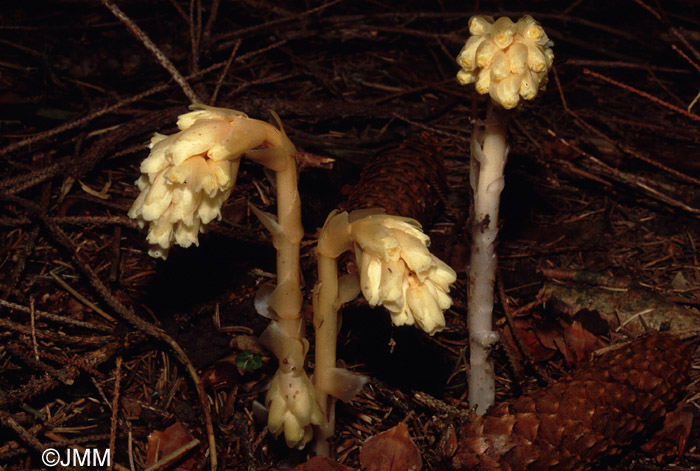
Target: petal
<point>186,235</point>
<point>407,225</point>
<point>507,92</point>
<point>294,432</point>
<point>467,56</point>
<point>441,273</point>
<point>500,68</point>
<point>483,81</point>
<point>391,286</point>
<point>485,52</point>
<point>415,254</point>
<point>517,58</point>
<point>160,151</point>
<point>157,199</point>
<point>199,138</point>
<point>160,232</point>
<point>185,203</point>
<point>503,32</point>
<point>480,24</point>
<point>370,277</point>
<point>425,309</point>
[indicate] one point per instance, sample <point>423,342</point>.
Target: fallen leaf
<point>321,463</point>
<point>532,343</point>
<point>222,374</point>
<point>162,443</point>
<point>391,450</point>
<point>580,342</point>
<point>673,436</point>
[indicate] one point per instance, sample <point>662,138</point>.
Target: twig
<point>206,35</point>
<point>195,32</point>
<point>52,336</point>
<point>7,420</point>
<point>54,317</point>
<point>32,317</point>
<point>170,458</point>
<point>146,41</point>
<point>81,298</point>
<point>514,330</point>
<point>685,56</point>
<point>646,95</point>
<point>624,148</point>
<point>236,45</point>
<point>115,409</point>
<point>125,312</point>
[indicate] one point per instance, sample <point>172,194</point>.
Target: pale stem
<point>482,271</point>
<point>289,219</point>
<point>326,327</point>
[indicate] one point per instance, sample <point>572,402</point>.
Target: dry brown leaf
<point>391,450</point>
<point>673,436</point>
<point>580,342</point>
<point>162,443</point>
<point>321,463</point>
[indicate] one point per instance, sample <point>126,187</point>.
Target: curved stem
<point>487,164</point>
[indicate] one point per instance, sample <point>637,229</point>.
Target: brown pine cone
<point>582,418</point>
<point>405,181</point>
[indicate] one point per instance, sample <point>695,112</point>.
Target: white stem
<point>488,162</point>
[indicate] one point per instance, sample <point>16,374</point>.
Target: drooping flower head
<point>187,176</point>
<point>398,271</point>
<point>504,59</point>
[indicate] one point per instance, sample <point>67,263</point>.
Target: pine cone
<point>405,181</point>
<point>579,419</point>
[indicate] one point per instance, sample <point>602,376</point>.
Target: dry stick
<point>108,109</point>
<point>115,410</point>
<point>685,56</point>
<point>206,35</point>
<point>81,298</point>
<point>7,420</point>
<point>42,384</point>
<point>36,364</point>
<point>52,336</point>
<point>610,172</point>
<point>663,19</point>
<point>146,41</point>
<point>292,17</point>
<point>616,175</point>
<point>514,330</point>
<point>125,312</point>
<point>694,64</point>
<point>646,95</point>
<point>23,255</point>
<point>624,148</point>
<point>237,44</point>
<point>170,458</point>
<point>54,317</point>
<point>195,32</point>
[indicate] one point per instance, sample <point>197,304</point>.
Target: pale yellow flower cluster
<point>187,176</point>
<point>504,59</point>
<point>398,271</point>
<point>292,406</point>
